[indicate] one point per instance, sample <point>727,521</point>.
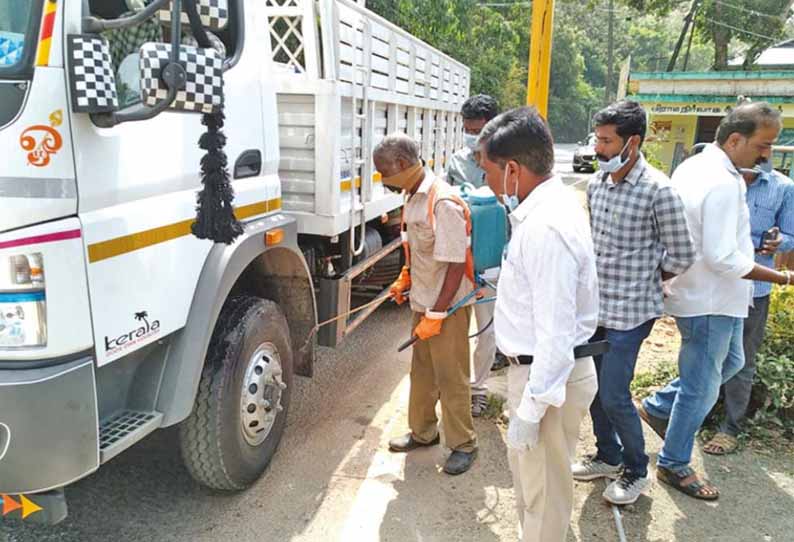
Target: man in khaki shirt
<point>435,276</point>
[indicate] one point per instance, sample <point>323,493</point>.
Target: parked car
<point>584,158</point>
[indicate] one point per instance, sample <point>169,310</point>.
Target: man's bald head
<point>395,154</point>
<point>397,146</point>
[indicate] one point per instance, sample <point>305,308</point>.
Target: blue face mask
<point>470,141</point>
<point>765,166</point>
<point>511,202</point>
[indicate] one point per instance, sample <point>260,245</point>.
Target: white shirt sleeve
<point>552,274</point>
<point>721,251</point>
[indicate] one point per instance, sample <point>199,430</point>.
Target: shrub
<point>773,391</point>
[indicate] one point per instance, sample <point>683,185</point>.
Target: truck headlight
<point>23,304</point>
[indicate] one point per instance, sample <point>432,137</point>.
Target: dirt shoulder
<point>757,485</point>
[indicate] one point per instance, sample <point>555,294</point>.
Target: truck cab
<point>115,320</point>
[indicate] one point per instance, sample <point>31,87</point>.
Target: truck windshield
<point>18,35</point>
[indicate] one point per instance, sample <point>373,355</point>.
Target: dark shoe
<point>659,425</point>
<point>459,462</point>
<point>500,362</point>
<point>479,404</point>
<point>406,443</point>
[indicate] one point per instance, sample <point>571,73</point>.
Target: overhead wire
<point>746,10</point>
<point>740,30</point>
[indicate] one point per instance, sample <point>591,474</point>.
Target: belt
<point>588,350</point>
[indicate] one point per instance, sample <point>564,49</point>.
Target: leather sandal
<point>689,483</point>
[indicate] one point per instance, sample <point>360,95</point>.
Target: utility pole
<point>687,21</point>
<point>689,46</point>
<point>610,53</point>
<point>540,55</point>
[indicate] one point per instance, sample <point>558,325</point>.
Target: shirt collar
<point>716,153</point>
<point>763,177</point>
<point>633,176</point>
<point>536,198</point>
<point>430,178</point>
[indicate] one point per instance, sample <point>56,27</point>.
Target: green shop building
<point>685,108</point>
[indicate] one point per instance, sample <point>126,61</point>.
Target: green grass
<point>647,382</point>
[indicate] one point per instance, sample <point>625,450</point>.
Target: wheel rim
<point>260,401</point>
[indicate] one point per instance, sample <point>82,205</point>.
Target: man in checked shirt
<point>641,237</point>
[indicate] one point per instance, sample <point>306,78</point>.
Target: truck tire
<point>243,397</point>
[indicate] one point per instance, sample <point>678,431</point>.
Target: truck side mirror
<point>214,14</point>
<point>93,85</point>
<point>202,91</point>
<point>173,76</point>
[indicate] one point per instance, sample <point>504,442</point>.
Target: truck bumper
<point>49,434</point>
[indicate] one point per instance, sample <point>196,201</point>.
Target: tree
<point>755,24</point>
<point>471,33</point>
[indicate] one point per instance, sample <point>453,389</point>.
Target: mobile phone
<point>769,235</point>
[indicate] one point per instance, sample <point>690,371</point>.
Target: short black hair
<point>480,106</point>
<point>627,116</point>
<point>521,135</point>
<point>745,119</point>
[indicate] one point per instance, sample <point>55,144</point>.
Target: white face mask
<point>616,163</point>
<point>511,202</point>
<point>470,141</point>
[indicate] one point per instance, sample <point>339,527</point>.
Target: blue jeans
<point>616,424</point>
<point>711,353</point>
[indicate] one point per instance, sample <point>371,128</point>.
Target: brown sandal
<point>721,444</point>
<point>688,482</point>
<point>659,425</point>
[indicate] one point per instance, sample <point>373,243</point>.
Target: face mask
<point>616,163</point>
<point>765,166</point>
<point>511,202</point>
<point>470,141</point>
<point>405,180</point>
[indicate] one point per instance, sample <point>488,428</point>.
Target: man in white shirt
<point>547,304</point>
<point>710,300</point>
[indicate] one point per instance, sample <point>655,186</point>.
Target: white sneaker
<point>626,489</point>
<point>591,468</point>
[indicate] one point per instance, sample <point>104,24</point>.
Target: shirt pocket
<point>422,237</point>
<point>763,216</point>
<point>632,230</point>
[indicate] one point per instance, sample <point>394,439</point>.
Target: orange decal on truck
<point>42,141</point>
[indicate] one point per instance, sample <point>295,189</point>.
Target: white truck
<point>116,321</point>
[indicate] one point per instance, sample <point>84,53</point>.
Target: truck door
<point>137,185</point>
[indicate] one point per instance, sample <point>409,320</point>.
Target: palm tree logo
<point>143,315</point>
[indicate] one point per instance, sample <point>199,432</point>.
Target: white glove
<point>521,434</point>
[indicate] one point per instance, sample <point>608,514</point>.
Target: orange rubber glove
<point>400,286</point>
<point>430,325</point>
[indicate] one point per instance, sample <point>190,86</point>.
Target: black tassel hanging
<point>215,218</point>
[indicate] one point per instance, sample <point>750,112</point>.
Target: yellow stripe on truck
<point>345,184</point>
<point>135,241</point>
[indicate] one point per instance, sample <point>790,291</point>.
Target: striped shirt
<point>771,202</point>
<point>639,229</point>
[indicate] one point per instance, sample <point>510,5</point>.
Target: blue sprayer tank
<point>489,227</point>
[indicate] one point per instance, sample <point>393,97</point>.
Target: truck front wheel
<point>241,406</point>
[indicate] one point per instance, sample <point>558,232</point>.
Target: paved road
<point>332,478</point>
<point>564,166</point>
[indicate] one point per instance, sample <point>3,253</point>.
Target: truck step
<point>123,429</point>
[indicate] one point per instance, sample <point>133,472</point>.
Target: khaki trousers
<point>542,476</point>
<point>440,371</point>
